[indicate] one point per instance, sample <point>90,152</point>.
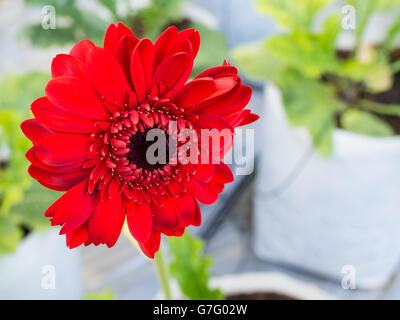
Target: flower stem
<point>162,272</point>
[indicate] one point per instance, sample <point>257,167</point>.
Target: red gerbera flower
<point>89,133</point>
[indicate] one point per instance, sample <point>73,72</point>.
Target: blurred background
<point>318,217</point>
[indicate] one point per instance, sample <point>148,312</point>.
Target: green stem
<point>162,271</point>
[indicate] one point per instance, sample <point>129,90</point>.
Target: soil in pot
<point>260,296</point>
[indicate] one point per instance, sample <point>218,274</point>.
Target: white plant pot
<point>258,282</point>
<point>331,212</point>
<point>41,268</point>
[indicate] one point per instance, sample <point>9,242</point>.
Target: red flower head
<point>89,136</point>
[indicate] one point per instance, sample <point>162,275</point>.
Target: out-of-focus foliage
<point>74,23</point>
<point>190,268</point>
<point>362,122</point>
<point>294,14</point>
<point>21,205</point>
<point>13,177</point>
<point>17,91</point>
<point>317,83</point>
<point>107,294</point>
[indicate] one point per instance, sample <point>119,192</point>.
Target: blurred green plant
<point>324,87</point>
<point>74,23</point>
<point>191,268</point>
<point>21,203</point>
<point>106,294</point>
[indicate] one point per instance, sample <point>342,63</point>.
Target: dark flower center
<point>138,146</point>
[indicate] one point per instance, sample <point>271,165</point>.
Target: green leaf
<point>30,212</point>
<point>380,108</point>
<point>107,294</point>
<point>310,53</point>
<point>190,268</point>
<point>365,123</point>
<point>310,104</point>
<point>295,14</point>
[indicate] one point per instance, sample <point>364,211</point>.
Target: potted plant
<point>29,253</point>
<point>328,181</point>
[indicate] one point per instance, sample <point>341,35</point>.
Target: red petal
<point>139,220</point>
<point>117,231</point>
<point>173,72</point>
<point>114,187</point>
<point>223,174</point>
<point>187,211</point>
<point>58,181</point>
<point>163,44</point>
<point>67,65</point>
<point>60,210</point>
<point>249,119</point>
<point>204,172</point>
<point>106,219</point>
<point>80,50</point>
<point>189,34</point>
<point>114,34</point>
<point>229,105</point>
<point>165,218</point>
<point>35,131</point>
<point>241,101</point>
<point>77,237</point>
<point>123,52</point>
<point>206,193</point>
<point>142,62</point>
<point>111,37</point>
<point>108,76</point>
<point>80,208</point>
<point>151,246</point>
<point>31,156</point>
<point>74,96</point>
<point>217,72</point>
<point>226,93</point>
<point>211,121</point>
<point>53,117</point>
<point>63,149</point>
<point>171,42</point>
<point>195,92</point>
